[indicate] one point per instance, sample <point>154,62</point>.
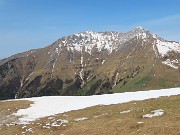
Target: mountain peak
<point>140,29</point>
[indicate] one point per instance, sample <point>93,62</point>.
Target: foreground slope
<point>153,116</point>
<point>90,63</point>
<point>46,106</point>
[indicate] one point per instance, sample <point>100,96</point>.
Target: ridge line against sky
<point>31,24</point>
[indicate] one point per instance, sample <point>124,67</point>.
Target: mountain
<point>90,63</point>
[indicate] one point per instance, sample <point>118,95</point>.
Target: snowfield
<point>51,105</point>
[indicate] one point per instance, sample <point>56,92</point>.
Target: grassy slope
<point>151,78</point>
<point>109,120</point>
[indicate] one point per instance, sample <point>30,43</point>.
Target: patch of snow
<point>81,71</point>
<point>47,127</point>
<point>48,124</point>
<point>165,46</point>
<point>62,121</point>
<point>24,127</point>
<point>27,78</point>
<point>155,113</point>
<point>127,111</point>
<point>154,36</point>
<point>140,122</point>
<point>63,42</point>
<point>171,63</point>
<point>59,122</point>
<point>155,51</point>
<point>54,124</point>
<point>116,77</point>
<point>103,62</point>
<point>80,119</point>
<point>58,52</point>
<point>29,130</point>
<point>51,105</point>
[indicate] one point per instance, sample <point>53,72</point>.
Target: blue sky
<point>30,24</point>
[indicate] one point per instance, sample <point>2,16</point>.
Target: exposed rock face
<point>93,63</point>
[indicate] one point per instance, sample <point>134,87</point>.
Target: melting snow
<point>128,111</point>
<point>171,63</point>
<point>80,119</point>
<point>29,130</point>
<point>103,62</point>
<point>59,123</point>
<point>51,105</point>
<point>140,122</point>
<point>164,47</point>
<point>155,113</point>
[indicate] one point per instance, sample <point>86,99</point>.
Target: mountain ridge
<point>90,62</point>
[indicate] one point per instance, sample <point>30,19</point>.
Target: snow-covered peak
<point>140,28</point>
<point>90,40</point>
<point>110,41</point>
<point>139,33</point>
<point>89,32</point>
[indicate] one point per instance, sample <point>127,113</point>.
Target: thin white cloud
<point>164,20</point>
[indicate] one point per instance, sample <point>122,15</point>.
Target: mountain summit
<point>90,62</point>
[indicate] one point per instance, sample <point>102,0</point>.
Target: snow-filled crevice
<point>116,78</point>
<point>57,51</point>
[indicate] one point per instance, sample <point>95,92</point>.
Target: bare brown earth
<point>103,119</point>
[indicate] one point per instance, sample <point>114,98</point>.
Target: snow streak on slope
<point>47,106</point>
<point>166,46</point>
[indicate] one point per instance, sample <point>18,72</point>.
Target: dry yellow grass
<point>6,117</point>
<point>109,120</point>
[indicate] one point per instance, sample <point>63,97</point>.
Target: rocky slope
<point>93,63</point>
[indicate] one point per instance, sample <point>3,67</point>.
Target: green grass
<point>137,83</point>
<point>87,87</point>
